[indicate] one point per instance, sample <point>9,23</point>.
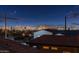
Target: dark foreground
<point>10,46</point>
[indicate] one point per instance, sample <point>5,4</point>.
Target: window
<point>45,47</point>
<point>54,48</point>
<point>66,52</point>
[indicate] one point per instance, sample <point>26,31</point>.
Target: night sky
<point>37,14</point>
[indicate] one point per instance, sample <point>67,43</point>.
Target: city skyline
<point>38,14</point>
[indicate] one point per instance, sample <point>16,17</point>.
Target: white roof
<point>42,32</point>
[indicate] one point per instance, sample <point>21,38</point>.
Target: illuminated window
<point>45,47</point>
<point>54,48</point>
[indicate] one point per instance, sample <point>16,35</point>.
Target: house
<point>41,33</point>
<point>57,43</point>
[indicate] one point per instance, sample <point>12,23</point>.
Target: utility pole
<point>5,18</point>
<point>65,23</point>
<point>5,21</point>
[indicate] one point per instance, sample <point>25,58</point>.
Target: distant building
<point>41,27</point>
